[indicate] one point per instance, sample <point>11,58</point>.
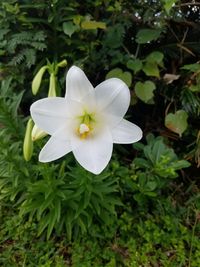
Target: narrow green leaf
<point>43,224</point>
<point>57,209</point>
<point>46,203</point>
<point>52,221</point>
<point>192,67</point>
<point>93,25</point>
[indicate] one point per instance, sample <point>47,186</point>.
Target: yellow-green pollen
<point>85,127</point>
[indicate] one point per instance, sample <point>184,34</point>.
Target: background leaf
<point>147,35</point>
<point>93,25</point>
<point>177,122</point>
<point>118,73</point>
<point>144,91</point>
<point>134,64</point>
<point>69,28</point>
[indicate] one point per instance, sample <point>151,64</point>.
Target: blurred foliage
<point>143,210</point>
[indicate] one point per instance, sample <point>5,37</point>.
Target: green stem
<point>55,25</point>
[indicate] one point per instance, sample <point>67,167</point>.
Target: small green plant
<point>70,200</point>
<point>153,168</point>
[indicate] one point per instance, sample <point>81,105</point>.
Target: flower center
<point>85,128</point>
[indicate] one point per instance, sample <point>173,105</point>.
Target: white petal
<point>52,113</point>
<point>94,152</point>
<point>113,97</point>
<point>65,132</point>
<point>126,133</point>
<point>54,149</point>
<point>77,84</point>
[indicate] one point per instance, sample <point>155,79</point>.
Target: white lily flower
<point>87,121</point>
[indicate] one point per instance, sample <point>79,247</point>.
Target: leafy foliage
<point>144,209</point>
<point>71,201</point>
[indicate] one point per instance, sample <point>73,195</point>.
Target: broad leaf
<point>134,65</point>
<point>155,57</point>
<point>144,91</point>
<point>147,35</point>
<point>177,122</point>
<point>151,69</point>
<point>69,28</point>
<point>118,73</point>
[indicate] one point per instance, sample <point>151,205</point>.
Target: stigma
<point>83,130</point>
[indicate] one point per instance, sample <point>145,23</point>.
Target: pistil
<point>85,127</point>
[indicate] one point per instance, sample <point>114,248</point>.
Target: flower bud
<point>52,85</point>
<point>37,133</point>
<point>62,63</point>
<point>28,143</point>
<point>37,80</point>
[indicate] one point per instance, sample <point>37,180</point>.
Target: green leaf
<point>151,185</point>
<point>148,153</point>
<point>194,88</point>
<point>118,73</point>
<point>69,28</point>
<point>181,164</point>
<point>46,204</point>
<point>192,67</point>
<point>151,69</point>
<point>82,225</point>
<point>43,224</point>
<point>177,122</point>
<point>93,25</point>
<point>144,91</point>
<point>158,150</point>
<point>95,204</point>
<point>52,221</point>
<point>2,52</point>
<point>150,194</point>
<point>168,4</point>
<point>57,208</point>
<point>68,229</point>
<point>134,64</point>
<point>140,162</point>
<point>138,146</point>
<point>155,57</point>
<point>147,35</point>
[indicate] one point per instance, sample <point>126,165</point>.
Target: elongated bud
<point>62,63</point>
<point>37,80</point>
<point>52,85</point>
<point>37,133</point>
<point>28,143</point>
